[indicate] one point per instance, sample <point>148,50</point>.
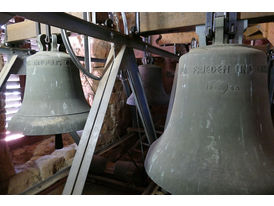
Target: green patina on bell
<point>54,102</point>
<point>219,138</point>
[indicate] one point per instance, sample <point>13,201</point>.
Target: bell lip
<point>35,126</point>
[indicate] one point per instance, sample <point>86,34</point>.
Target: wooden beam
<point>260,31</point>
<point>267,30</point>
<point>257,17</point>
<point>251,30</point>
<point>165,22</point>
<point>27,29</point>
<point>178,38</point>
<point>255,37</point>
<point>150,23</point>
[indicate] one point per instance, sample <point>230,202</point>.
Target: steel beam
<point>4,18</point>
<point>5,72</point>
<point>139,95</point>
<point>26,52</point>
<point>75,137</point>
<point>74,24</point>
<point>82,160</point>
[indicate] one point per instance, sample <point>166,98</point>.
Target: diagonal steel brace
<point>6,71</point>
<point>82,160</point>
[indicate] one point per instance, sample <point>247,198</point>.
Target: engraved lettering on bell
<point>211,69</point>
<point>209,134</point>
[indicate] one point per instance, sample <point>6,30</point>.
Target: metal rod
<point>48,33</point>
<point>74,24</point>
<point>125,138</point>
<point>38,28</point>
<point>41,186</point>
<point>58,141</point>
<point>89,47</point>
<point>86,45</point>
<point>74,58</point>
<point>92,59</point>
<point>94,17</point>
<point>124,18</point>
<point>137,22</point>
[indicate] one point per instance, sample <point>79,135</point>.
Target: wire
<point>74,58</point>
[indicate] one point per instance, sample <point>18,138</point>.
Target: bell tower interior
<point>136,103</point>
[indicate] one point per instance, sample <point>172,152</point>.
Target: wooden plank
<point>27,29</point>
<point>165,22</point>
<point>150,23</point>
<point>267,30</point>
<point>255,37</point>
<point>253,15</point>
<point>168,21</point>
<point>251,30</point>
<point>20,31</point>
<point>178,38</point>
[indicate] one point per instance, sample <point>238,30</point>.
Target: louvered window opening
<point>13,101</point>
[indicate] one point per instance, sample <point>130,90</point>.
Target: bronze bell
<point>152,82</point>
<point>54,102</point>
<point>219,138</point>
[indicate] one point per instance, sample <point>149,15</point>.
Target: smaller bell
<point>151,76</point>
<point>54,102</point>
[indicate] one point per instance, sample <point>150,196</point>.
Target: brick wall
<point>117,117</point>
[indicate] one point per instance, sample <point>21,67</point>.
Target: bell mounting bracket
<point>52,45</point>
<point>224,27</point>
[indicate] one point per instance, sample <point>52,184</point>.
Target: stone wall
<point>45,162</point>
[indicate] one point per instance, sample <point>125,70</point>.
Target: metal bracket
<point>219,35</point>
<point>223,27</point>
<point>200,30</point>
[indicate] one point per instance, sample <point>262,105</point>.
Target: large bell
<point>54,102</point>
<point>219,138</point>
<point>152,82</point>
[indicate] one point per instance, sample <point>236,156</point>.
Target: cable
<point>74,58</point>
